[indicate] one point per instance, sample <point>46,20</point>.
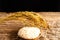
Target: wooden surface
<point>53,19</point>
<point>8,30</point>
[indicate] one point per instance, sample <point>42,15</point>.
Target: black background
<point>29,5</point>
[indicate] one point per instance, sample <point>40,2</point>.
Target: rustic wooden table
<point>9,32</point>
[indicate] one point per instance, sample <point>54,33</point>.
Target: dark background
<point>32,5</point>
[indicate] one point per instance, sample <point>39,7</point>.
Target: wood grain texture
<point>8,30</point>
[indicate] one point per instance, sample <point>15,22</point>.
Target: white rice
<point>29,32</point>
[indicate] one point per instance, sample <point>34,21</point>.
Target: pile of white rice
<point>29,32</point>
